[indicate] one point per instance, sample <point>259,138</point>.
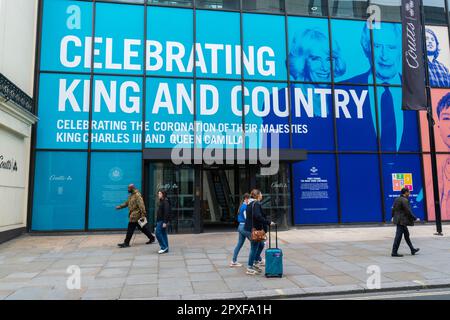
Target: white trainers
<point>235,264</point>
<point>261,263</point>
<point>251,271</point>
<point>257,269</point>
<point>163,251</point>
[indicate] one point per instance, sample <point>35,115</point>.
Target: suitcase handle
<point>276,237</point>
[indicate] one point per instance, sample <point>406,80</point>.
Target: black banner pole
<point>434,170</point>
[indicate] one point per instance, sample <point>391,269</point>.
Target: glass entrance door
<point>276,190</point>
<point>178,181</point>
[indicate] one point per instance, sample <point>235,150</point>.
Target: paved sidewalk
<point>316,261</point>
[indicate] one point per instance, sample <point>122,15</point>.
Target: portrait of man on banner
<point>438,56</point>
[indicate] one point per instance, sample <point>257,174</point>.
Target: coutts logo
<point>411,36</point>
<point>278,185</point>
<point>9,164</point>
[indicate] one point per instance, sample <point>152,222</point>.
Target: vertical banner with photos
<point>414,94</point>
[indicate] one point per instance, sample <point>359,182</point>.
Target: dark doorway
<point>222,190</point>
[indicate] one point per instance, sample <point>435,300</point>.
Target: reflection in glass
<point>263,5</point>
<point>184,3</point>
<point>348,8</point>
<point>178,181</point>
<point>307,7</point>
<point>276,190</point>
<point>434,11</point>
<point>218,4</point>
<point>390,9</point>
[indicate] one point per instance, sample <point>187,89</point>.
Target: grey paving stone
<point>145,263</point>
<point>65,294</point>
<point>204,276</point>
<point>277,283</point>
<point>195,256</point>
<point>30,293</point>
<point>101,294</point>
<point>309,281</point>
<point>139,291</point>
<point>255,294</point>
<point>141,279</point>
<point>103,283</point>
<point>195,262</point>
<point>118,263</point>
<point>5,293</point>
<point>164,291</point>
<point>21,275</point>
<point>241,284</point>
<point>213,286</point>
<point>113,272</point>
<point>6,286</point>
<point>143,270</point>
<point>201,268</point>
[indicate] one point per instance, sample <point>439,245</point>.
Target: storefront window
<point>435,11</point>
<point>275,6</point>
<point>348,8</point>
<point>218,4</point>
<point>183,3</point>
<point>307,7</point>
<point>390,9</point>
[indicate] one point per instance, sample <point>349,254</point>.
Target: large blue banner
<point>403,171</point>
<point>360,191</point>
<point>59,197</point>
<point>111,173</point>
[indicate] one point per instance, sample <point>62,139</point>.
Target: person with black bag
<point>255,225</point>
<point>403,217</point>
<point>163,218</point>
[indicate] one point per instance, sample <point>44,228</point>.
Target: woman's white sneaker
<point>251,271</point>
<point>235,264</point>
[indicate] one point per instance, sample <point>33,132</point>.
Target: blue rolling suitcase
<point>274,258</point>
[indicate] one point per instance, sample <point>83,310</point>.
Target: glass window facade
<point>269,74</point>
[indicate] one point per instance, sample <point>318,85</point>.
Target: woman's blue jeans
<point>161,235</point>
<point>256,248</point>
<point>242,236</point>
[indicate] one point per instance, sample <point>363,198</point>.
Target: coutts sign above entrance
<point>8,164</point>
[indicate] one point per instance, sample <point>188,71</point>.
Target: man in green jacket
<point>403,217</point>
<point>136,209</point>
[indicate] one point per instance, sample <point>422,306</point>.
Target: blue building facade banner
<point>119,78</point>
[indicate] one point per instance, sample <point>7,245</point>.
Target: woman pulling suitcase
<point>256,223</point>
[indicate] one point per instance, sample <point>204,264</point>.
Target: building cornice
<point>10,92</point>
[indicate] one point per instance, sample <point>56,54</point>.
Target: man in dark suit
<point>403,217</point>
<point>387,65</point>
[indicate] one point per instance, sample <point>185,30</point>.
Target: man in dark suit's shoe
<point>403,217</point>
<point>396,255</point>
<point>414,251</point>
<point>123,245</point>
